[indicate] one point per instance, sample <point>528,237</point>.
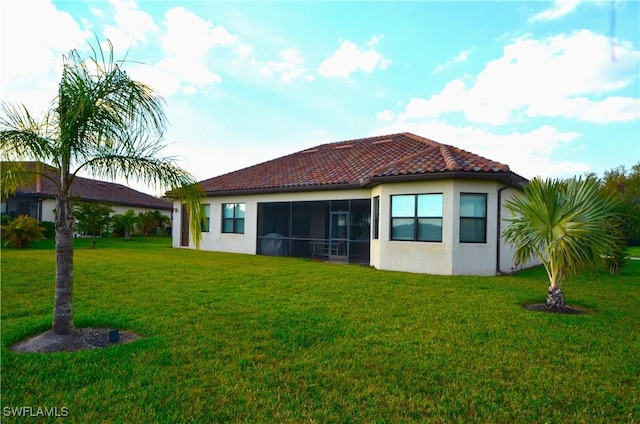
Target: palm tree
<point>127,222</point>
<point>565,225</point>
<point>103,123</point>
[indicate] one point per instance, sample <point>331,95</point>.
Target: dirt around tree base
<point>80,339</point>
<point>542,307</point>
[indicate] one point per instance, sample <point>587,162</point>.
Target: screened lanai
<point>334,230</point>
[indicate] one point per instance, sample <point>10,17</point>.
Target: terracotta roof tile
<point>94,190</point>
<point>355,162</point>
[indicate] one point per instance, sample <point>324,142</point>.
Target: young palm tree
<point>564,224</point>
<point>127,221</point>
<point>104,123</point>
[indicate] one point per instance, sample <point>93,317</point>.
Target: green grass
<point>243,338</point>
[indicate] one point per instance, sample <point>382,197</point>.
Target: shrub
<point>48,229</point>
<point>123,224</point>
<point>19,232</point>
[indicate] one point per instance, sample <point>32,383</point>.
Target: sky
<point>551,88</point>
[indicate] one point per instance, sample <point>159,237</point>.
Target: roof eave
<point>20,194</point>
<point>509,178</point>
<point>291,189</point>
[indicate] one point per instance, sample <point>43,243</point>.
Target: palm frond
<point>99,105</point>
<point>143,164</point>
<point>22,137</point>
<point>563,223</point>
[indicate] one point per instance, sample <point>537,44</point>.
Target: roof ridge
<point>358,140</point>
<point>449,159</point>
<point>427,150</point>
<point>498,165</point>
<point>421,139</point>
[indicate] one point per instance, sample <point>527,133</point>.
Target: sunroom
<point>334,230</point>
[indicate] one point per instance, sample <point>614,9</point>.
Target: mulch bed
<point>80,339</point>
<point>542,307</point>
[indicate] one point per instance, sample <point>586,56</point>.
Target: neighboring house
<point>396,202</point>
<point>37,197</point>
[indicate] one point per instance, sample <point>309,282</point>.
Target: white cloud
<point>621,109</point>
<point>189,70</point>
<point>350,58</point>
<point>452,98</point>
<point>290,67</point>
<point>188,35</point>
<point>559,9</point>
<point>187,42</point>
<point>244,50</point>
<point>132,25</point>
<point>570,76</point>
<point>459,58</point>
<point>562,76</point>
<point>32,73</point>
<point>164,82</point>
<point>611,109</point>
<point>386,115</point>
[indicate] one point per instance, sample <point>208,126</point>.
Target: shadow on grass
<point>567,310</point>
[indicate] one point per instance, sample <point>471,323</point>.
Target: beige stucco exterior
<point>216,240</point>
<point>449,257</point>
<point>49,206</point>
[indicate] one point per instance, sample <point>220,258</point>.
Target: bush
<point>48,229</point>
<point>19,232</point>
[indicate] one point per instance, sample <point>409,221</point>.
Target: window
<point>233,218</point>
<point>206,217</point>
<point>376,217</point>
<point>473,218</point>
<point>416,217</point>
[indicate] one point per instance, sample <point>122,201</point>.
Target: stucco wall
<point>246,243</point>
<point>507,264</point>
<point>449,257</point>
<point>412,256</point>
<point>476,258</point>
<point>48,206</point>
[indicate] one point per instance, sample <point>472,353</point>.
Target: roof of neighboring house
<point>90,190</point>
<point>361,163</point>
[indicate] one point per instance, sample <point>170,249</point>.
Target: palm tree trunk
<point>555,296</point>
<point>63,304</point>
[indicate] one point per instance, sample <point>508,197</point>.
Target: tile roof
<point>92,190</point>
<point>358,163</point>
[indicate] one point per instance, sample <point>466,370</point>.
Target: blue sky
<point>550,88</point>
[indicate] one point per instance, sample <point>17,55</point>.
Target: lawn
<point>243,338</point>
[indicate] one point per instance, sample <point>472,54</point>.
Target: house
<point>37,197</point>
<point>396,202</point>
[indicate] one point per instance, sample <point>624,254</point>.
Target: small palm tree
<point>104,123</point>
<point>565,225</point>
<point>126,221</point>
